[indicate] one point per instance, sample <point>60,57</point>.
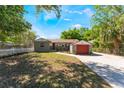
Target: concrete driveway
<point>109,67</point>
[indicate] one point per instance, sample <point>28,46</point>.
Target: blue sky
<point>46,24</point>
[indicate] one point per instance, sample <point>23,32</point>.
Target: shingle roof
<point>82,42</point>
<point>72,41</point>
<point>41,39</point>
<point>63,40</point>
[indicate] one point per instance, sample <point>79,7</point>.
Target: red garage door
<point>82,49</point>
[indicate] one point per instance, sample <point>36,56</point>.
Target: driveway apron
<point>109,67</point>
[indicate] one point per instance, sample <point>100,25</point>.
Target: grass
<point>47,70</point>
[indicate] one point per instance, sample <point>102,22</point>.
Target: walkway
<point>109,67</point>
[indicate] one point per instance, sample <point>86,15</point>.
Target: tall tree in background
<point>109,21</point>
<point>71,34</point>
<point>12,21</point>
<point>14,28</point>
<point>77,33</point>
<point>24,39</point>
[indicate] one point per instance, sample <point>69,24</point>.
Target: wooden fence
<point>13,51</point>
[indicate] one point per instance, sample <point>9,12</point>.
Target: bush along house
<point>72,45</point>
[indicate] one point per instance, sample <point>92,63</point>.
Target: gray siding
<point>38,48</point>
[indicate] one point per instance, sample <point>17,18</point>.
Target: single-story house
<point>72,45</point>
<point>42,45</point>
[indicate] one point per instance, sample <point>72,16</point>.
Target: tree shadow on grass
<point>16,71</point>
<point>20,71</point>
<point>87,77</point>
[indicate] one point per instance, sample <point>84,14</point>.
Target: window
<point>42,45</point>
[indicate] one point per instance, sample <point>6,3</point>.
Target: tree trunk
<point>116,43</point>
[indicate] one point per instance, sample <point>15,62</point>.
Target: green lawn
<point>47,70</point>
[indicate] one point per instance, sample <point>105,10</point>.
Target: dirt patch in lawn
<point>47,70</point>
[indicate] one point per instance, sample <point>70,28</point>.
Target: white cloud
<point>72,12</point>
<point>38,31</point>
<point>67,19</point>
<point>77,12</point>
<point>76,26</point>
<point>43,35</point>
<point>49,16</point>
<point>88,11</point>
<point>40,34</point>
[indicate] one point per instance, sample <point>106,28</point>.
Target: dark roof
<point>82,42</point>
<point>63,40</point>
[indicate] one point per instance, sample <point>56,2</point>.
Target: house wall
<point>72,49</point>
<point>62,46</point>
<point>38,48</point>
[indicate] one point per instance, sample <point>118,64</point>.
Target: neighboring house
<point>72,45</point>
